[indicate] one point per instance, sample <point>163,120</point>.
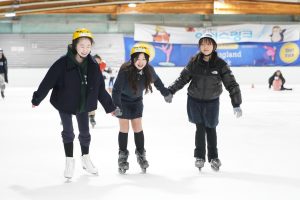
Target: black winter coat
<point>64,79</point>
<point>206,80</point>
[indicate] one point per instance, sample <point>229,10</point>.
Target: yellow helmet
<point>82,32</point>
<point>140,49</point>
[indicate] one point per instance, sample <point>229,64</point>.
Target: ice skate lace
<point>216,162</point>
<point>123,156</point>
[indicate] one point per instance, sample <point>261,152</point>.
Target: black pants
<point>200,142</point>
<point>83,126</point>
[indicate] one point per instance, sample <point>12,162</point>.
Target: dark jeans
<point>83,126</point>
<point>200,142</point>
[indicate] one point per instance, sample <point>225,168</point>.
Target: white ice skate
<point>70,166</point>
<point>88,165</point>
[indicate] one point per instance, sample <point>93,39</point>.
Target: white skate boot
<point>70,166</point>
<point>88,165</point>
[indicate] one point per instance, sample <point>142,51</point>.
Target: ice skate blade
<point>216,169</point>
<point>68,179</point>
<point>144,170</point>
<point>94,173</point>
<point>122,171</point>
<point>144,165</point>
<point>200,168</point>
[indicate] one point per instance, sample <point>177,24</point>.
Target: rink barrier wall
<point>31,77</point>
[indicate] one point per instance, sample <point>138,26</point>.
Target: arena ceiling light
<point>284,1</point>
<point>20,4</point>
<point>132,5</point>
<point>10,14</point>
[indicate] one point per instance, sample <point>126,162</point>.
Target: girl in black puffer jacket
<point>206,72</point>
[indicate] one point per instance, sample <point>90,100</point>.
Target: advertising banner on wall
<point>223,34</point>
<point>238,54</point>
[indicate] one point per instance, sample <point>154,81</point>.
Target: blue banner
<point>239,54</point>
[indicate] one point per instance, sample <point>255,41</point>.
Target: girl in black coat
<point>3,72</point>
<point>77,84</point>
<point>206,72</point>
<point>134,77</point>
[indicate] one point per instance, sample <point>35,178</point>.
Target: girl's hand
<point>117,112</point>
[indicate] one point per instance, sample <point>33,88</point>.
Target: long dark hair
<point>133,73</point>
<point>3,56</point>
<point>280,75</point>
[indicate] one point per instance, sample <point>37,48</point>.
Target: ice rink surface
<point>259,152</point>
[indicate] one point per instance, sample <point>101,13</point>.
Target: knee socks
<point>139,141</point>
<point>123,140</point>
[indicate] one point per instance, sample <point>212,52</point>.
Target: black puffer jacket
<point>64,79</point>
<point>206,80</point>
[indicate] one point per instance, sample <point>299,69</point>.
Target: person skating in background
<point>102,66</point>
<point>112,73</point>
<point>101,62</point>
<point>77,84</point>
<point>133,79</point>
<point>277,81</point>
<point>3,72</point>
<point>206,72</point>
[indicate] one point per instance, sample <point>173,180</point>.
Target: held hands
<point>169,98</point>
<point>117,112</point>
<point>237,111</point>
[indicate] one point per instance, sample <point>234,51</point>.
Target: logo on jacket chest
<point>214,72</point>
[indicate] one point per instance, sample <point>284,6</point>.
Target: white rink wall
<point>27,77</point>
